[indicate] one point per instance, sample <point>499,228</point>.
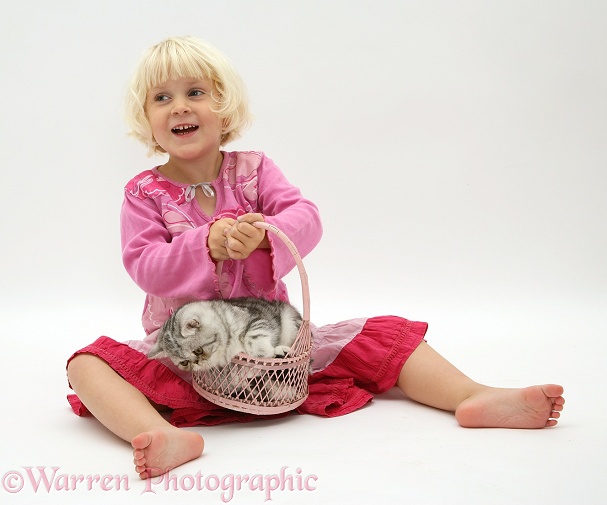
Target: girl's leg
<point>428,378</point>
<point>123,409</point>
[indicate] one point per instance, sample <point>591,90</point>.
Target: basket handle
<point>305,288</point>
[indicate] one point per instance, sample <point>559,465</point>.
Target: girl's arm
<point>162,265</point>
<point>283,205</point>
<point>182,266</point>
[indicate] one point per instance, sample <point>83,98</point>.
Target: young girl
<point>187,235</point>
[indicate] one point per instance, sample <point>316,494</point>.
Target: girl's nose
<point>180,107</point>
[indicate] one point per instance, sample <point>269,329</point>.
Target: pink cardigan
<point>164,235</point>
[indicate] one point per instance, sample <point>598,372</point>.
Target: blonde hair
<point>179,57</point>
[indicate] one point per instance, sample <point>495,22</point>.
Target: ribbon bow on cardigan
<point>206,187</point>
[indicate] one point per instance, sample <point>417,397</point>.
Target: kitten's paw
<point>281,351</point>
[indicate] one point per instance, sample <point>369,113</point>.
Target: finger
<point>250,218</point>
<point>238,253</point>
<point>227,224</point>
<point>233,244</point>
<point>220,254</point>
<point>235,255</point>
<point>245,230</point>
<point>236,233</point>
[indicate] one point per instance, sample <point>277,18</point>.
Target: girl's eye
<point>161,97</point>
<point>196,92</point>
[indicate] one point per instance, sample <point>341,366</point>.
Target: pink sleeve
<point>161,265</point>
<point>283,205</point>
<point>180,266</point>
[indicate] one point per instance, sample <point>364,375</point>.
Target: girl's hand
<point>243,238</point>
<point>217,238</point>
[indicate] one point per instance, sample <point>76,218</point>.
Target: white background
<point>457,152</point>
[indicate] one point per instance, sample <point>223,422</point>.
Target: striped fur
<point>206,334</point>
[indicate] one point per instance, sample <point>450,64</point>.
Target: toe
<point>141,441</point>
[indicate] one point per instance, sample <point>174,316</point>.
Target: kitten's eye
<point>198,352</point>
<point>184,363</point>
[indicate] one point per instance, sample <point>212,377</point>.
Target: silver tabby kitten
<point>206,334</point>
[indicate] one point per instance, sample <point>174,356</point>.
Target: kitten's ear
<point>189,327</point>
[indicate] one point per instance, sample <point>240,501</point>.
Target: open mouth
<point>184,129</point>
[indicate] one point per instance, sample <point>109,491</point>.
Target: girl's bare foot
<point>157,452</point>
<point>532,407</point>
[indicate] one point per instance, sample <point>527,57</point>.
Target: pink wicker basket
<point>264,385</point>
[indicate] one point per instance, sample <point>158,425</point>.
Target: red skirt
<point>351,361</point>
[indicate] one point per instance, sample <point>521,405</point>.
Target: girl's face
<point>183,124</point>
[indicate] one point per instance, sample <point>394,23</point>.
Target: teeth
<point>186,127</point>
